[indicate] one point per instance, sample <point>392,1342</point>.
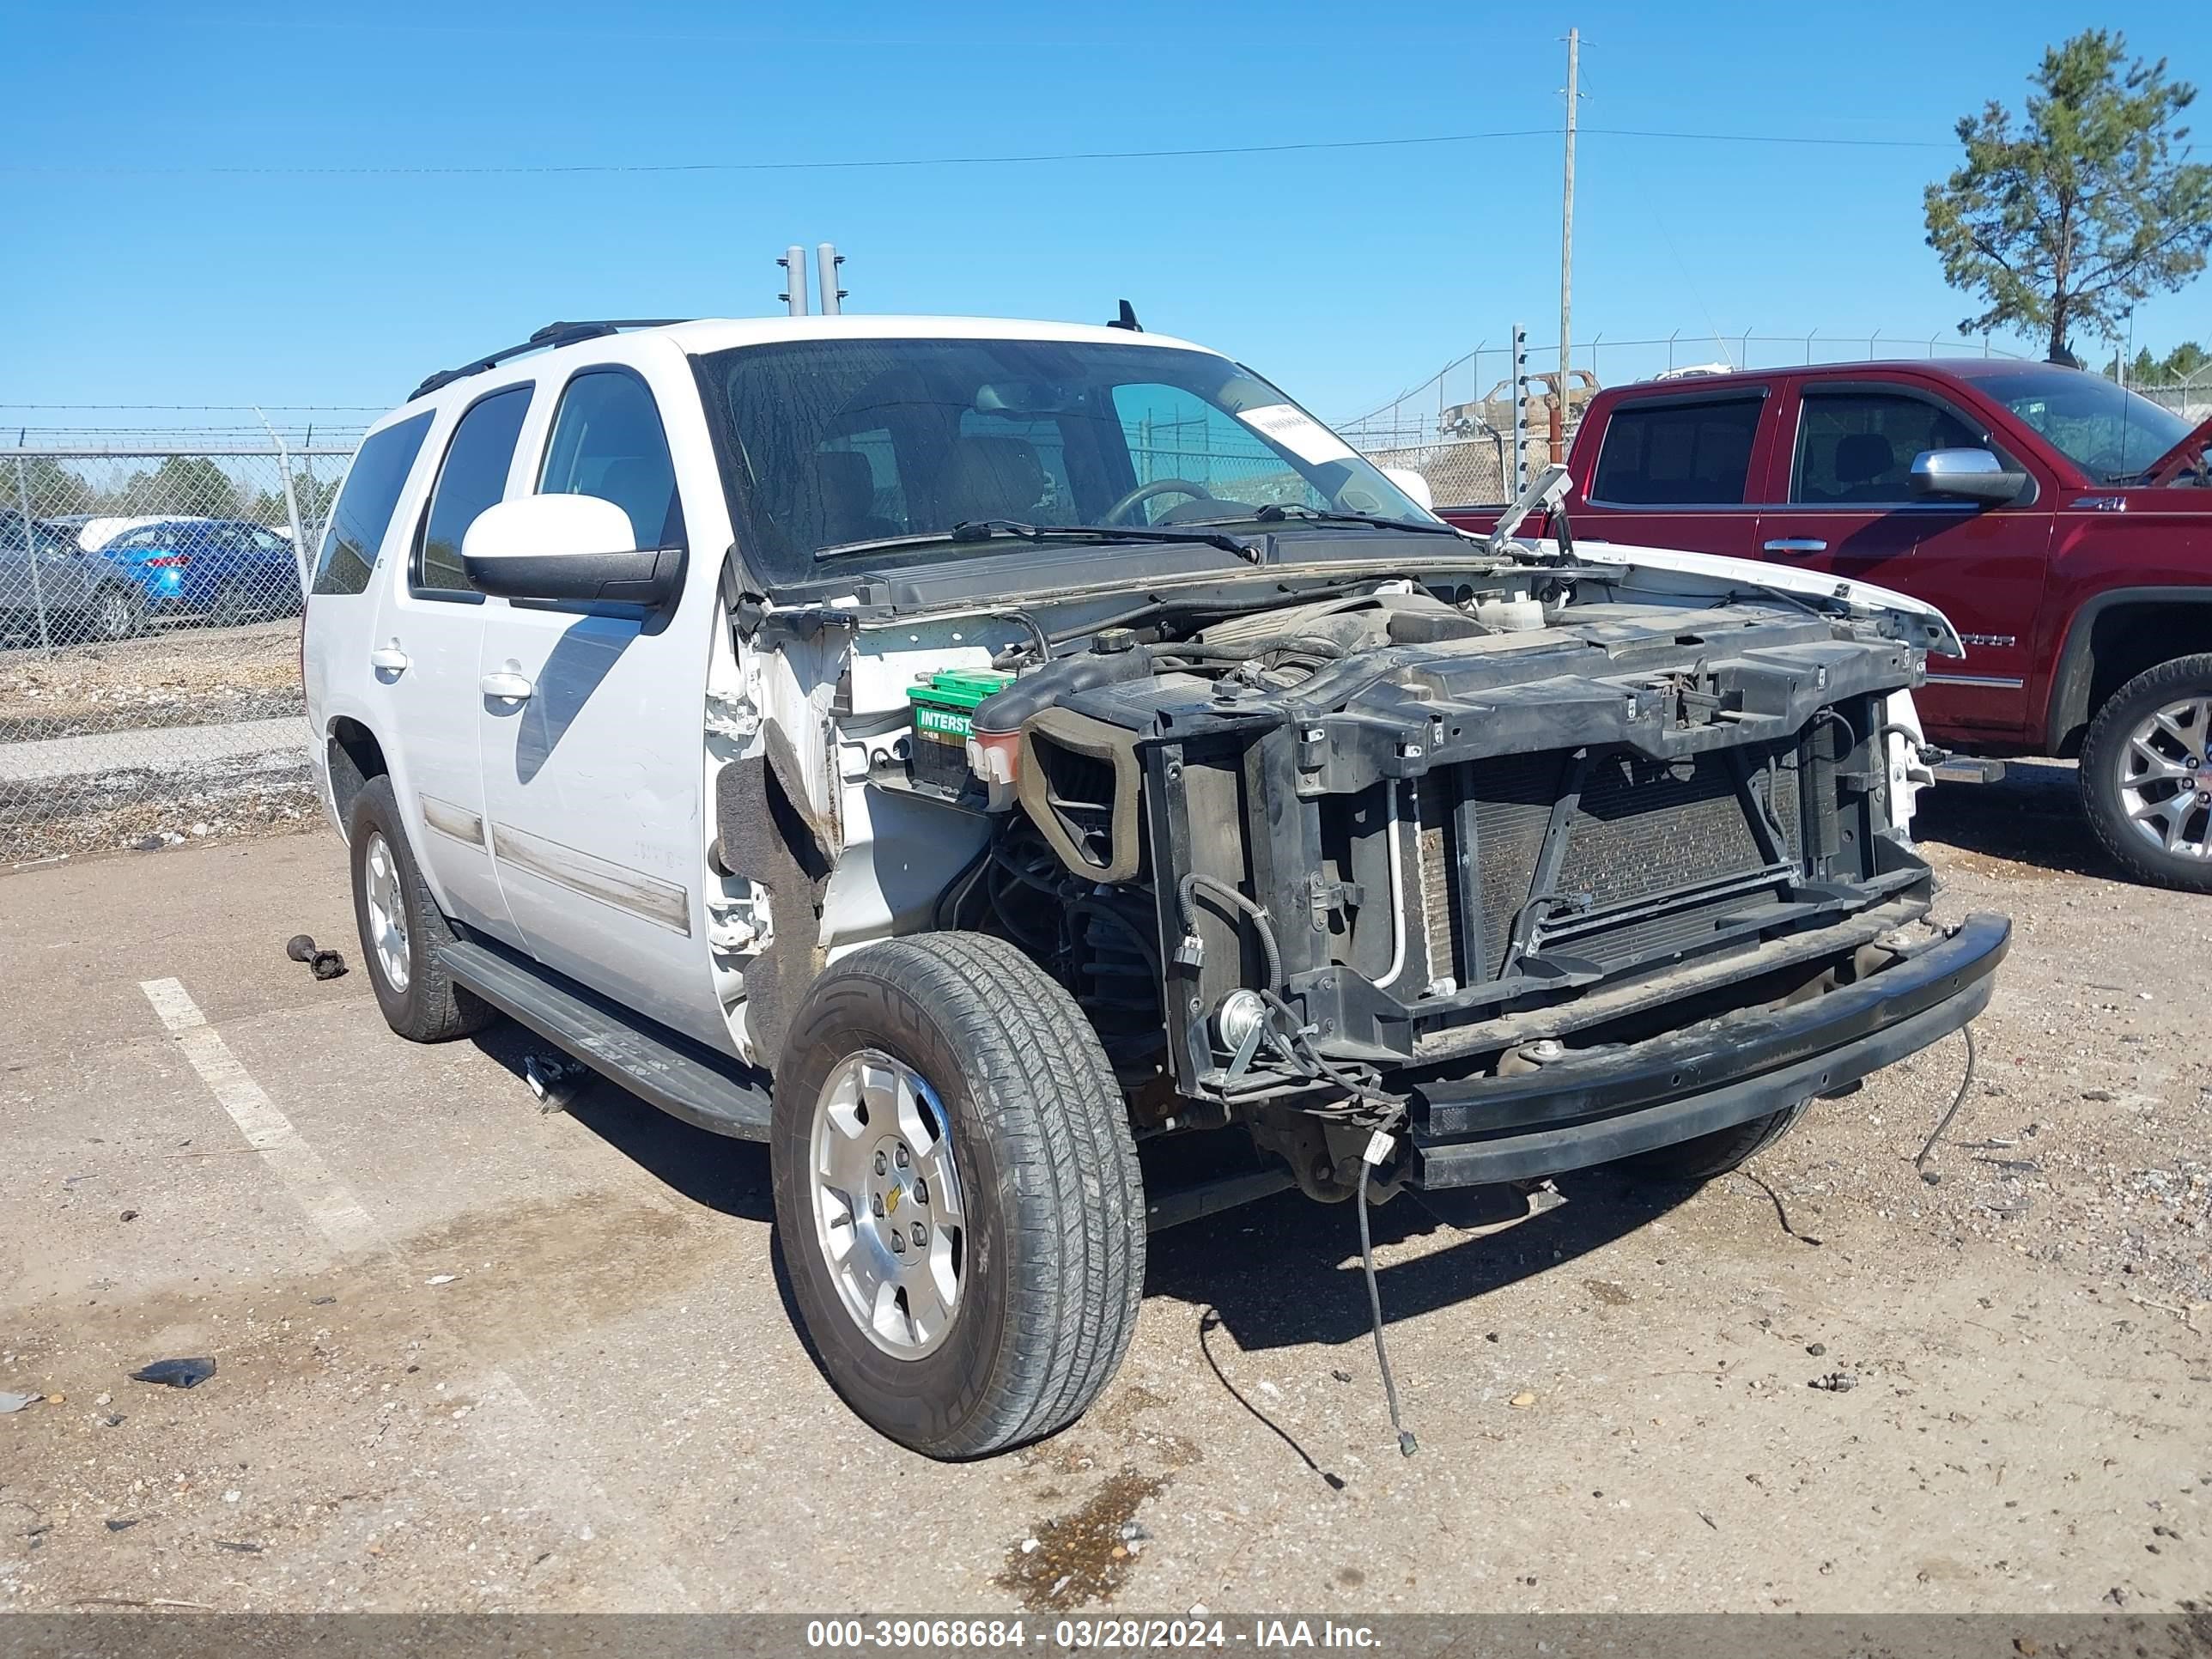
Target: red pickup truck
<point>2061,523</point>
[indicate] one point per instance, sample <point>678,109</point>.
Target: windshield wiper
<point>983,530</point>
<point>976,530</point>
<point>1280,513</point>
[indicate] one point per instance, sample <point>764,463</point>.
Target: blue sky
<point>139,275</point>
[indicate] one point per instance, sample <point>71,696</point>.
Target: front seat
<point>990,478</point>
<point>847,484</point>
<point>1863,461</point>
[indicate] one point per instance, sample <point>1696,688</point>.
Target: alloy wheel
<point>2166,778</point>
<point>387,911</point>
<point>886,1203</point>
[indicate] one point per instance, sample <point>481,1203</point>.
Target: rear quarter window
<point>1690,454</point>
<point>365,507</point>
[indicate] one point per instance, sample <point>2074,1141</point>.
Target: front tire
<point>990,1308</point>
<point>1709,1157</point>
<point>401,927</point>
<point>2147,775</point>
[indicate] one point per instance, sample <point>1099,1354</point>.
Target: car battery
<point>943,712</point>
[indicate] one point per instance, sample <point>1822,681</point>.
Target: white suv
<point>955,752</point>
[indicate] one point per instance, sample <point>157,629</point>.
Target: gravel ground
<point>562,1377</point>
<point>172,680</point>
<point>172,676</point>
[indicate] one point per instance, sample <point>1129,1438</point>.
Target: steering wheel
<point>1119,512</point>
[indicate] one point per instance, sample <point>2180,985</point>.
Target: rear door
<point>1676,469</point>
<point>429,625</point>
<point>593,759</point>
<point>1850,510</point>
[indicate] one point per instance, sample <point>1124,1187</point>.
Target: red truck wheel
<point>2147,775</point>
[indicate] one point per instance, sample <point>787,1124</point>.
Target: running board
<point>684,1078</point>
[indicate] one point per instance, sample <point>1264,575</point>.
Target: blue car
<point>225,570</point>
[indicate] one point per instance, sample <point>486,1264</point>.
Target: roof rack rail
<point>553,334</point>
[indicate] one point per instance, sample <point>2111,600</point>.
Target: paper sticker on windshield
<point>1297,432</point>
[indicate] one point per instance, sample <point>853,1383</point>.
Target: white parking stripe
<point>330,1205</point>
<point>328,1202</point>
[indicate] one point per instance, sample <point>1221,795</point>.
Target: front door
<point>592,747</point>
<point>428,631</point>
<point>1850,510</point>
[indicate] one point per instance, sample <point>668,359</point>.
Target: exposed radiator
<point>1654,852</point>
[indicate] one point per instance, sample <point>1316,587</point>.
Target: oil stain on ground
<point>1080,1557</point>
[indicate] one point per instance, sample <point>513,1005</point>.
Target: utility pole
<point>1567,222</point>
<point>827,293</point>
<point>794,280</point>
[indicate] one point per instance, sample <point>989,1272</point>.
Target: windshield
<point>2101,427</point>
<point>830,443</point>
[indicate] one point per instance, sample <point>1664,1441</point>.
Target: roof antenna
<point>1127,320</point>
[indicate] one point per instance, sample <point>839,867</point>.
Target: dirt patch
<point>119,810</point>
<point>1084,1555</point>
<point>176,677</point>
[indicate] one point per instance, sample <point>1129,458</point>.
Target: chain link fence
<point>1456,428</point>
<point>150,629</point>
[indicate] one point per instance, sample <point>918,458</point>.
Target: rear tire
<point>231,605</point>
<point>953,1052</point>
<point>2146,776</point>
<point>1714,1155</point>
<point>401,927</point>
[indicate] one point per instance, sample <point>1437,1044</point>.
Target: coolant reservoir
<point>1514,613</point>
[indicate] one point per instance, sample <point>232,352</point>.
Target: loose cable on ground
<point>1406,1444</point>
<point>1957,1100</point>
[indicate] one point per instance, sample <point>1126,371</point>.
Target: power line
<point>880,164</point>
<point>233,409</point>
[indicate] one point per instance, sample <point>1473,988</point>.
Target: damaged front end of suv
<point>1541,858</point>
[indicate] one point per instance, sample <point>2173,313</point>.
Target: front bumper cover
<point>1613,1102</point>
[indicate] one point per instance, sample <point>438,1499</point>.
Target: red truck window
<point>1859,445</point>
<point>1677,454</point>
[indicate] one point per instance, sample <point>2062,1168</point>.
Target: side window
<point>365,506</point>
<point>608,441</point>
<point>473,477</point>
<point>1690,454</point>
<point>1175,434</point>
<point>1859,445</point>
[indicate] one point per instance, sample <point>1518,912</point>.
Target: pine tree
<point>2069,219</point>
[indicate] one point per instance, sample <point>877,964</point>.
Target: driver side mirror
<point>577,548</point>
<point>1412,485</point>
<point>1965,475</point>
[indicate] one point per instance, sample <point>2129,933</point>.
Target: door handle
<point>509,687</point>
<point>1797,545</point>
<point>389,659</point>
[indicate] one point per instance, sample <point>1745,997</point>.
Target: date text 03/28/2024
<point>1283,1635</point>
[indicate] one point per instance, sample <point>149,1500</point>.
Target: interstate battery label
<point>945,724</point>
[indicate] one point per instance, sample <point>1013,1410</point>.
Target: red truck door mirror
<point>1966,475</point>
